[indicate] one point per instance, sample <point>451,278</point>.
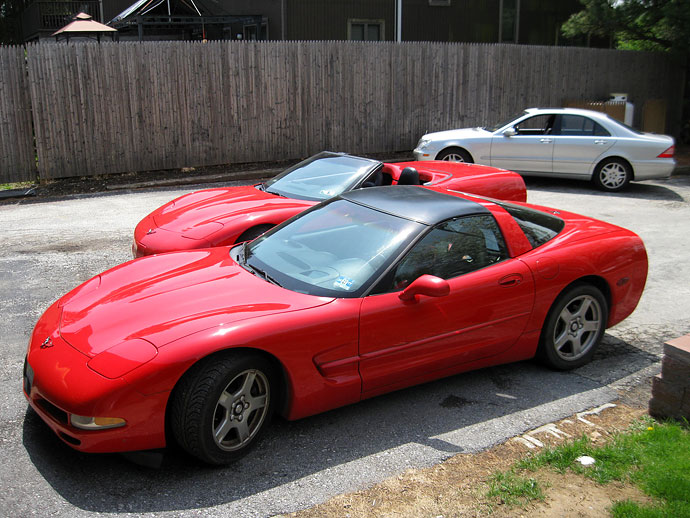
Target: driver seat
<point>409,176</point>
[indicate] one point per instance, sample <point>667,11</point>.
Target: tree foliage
<point>634,24</point>
<point>10,21</point>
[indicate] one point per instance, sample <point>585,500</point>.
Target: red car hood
<point>166,297</point>
<point>198,209</point>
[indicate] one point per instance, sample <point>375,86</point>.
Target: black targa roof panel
<point>415,203</point>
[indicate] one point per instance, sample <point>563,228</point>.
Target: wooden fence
<point>118,107</point>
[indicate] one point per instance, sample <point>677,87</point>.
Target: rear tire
<point>222,405</point>
<point>573,328</point>
<point>455,154</point>
<point>612,175</point>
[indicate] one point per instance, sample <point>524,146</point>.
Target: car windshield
<point>321,177</point>
<point>498,126</point>
<point>334,250</point>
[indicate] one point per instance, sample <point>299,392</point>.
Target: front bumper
<point>58,382</point>
<point>424,154</point>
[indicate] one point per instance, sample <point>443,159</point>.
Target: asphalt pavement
<point>52,246</point>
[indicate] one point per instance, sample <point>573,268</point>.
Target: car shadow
<point>649,190</point>
<point>293,456</point>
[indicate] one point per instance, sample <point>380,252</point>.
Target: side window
<point>537,125</point>
<point>577,126</point>
<point>453,248</point>
<point>538,226</point>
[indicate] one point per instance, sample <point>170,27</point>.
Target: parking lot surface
<point>50,246</point>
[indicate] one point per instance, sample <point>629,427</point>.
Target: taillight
<point>668,153</point>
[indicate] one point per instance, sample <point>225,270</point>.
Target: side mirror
<point>428,285</point>
<point>510,132</point>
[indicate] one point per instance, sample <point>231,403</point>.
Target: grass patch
<point>653,456</point>
<point>513,490</point>
<point>15,185</point>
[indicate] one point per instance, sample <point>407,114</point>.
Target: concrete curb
<point>190,180</point>
<point>17,193</point>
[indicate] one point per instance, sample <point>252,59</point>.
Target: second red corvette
<point>225,216</point>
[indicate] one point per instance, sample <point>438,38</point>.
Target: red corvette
<point>216,217</point>
<point>368,292</point>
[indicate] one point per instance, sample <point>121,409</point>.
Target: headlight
<point>422,143</point>
<point>123,358</point>
<point>202,231</point>
<point>95,423</point>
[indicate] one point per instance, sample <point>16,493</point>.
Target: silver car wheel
<point>577,327</point>
<point>241,410</point>
<point>613,175</point>
<point>454,154</point>
<point>453,157</point>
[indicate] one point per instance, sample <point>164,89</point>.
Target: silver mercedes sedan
<point>558,142</point>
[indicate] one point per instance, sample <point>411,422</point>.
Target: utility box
<point>654,116</point>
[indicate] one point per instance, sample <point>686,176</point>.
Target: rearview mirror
<point>510,132</point>
<point>428,285</point>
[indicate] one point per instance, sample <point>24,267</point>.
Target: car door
<point>490,300</point>
<point>528,149</point>
<point>578,142</point>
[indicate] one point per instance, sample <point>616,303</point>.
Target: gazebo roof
<point>84,24</point>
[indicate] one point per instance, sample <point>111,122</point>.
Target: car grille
<point>28,377</point>
<point>56,413</point>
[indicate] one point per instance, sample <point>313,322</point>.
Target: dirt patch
<point>457,487</point>
<point>184,176</point>
<point>573,496</point>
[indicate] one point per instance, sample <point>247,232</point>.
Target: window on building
<point>509,21</point>
<point>365,30</point>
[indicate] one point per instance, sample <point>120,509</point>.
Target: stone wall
<point>671,388</point>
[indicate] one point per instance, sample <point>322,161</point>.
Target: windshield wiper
<point>244,253</point>
<point>262,273</point>
<point>275,193</point>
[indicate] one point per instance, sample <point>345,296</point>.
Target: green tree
<point>10,22</point>
<point>634,24</point>
<point>653,25</point>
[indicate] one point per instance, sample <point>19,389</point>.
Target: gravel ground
<point>54,242</point>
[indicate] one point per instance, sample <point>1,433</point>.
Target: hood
<point>201,213</point>
<point>165,297</point>
<point>456,134</point>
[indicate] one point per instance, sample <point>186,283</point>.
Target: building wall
<point>327,20</point>
<point>471,21</point>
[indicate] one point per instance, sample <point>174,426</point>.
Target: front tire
<point>574,328</point>
<point>455,154</point>
<point>222,405</point>
<point>612,175</point>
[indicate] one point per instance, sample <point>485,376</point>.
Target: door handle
<point>545,140</point>
<point>600,142</point>
<point>512,279</point>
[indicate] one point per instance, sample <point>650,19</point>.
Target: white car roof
<point>573,111</point>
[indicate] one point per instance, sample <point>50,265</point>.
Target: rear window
<point>539,227</point>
